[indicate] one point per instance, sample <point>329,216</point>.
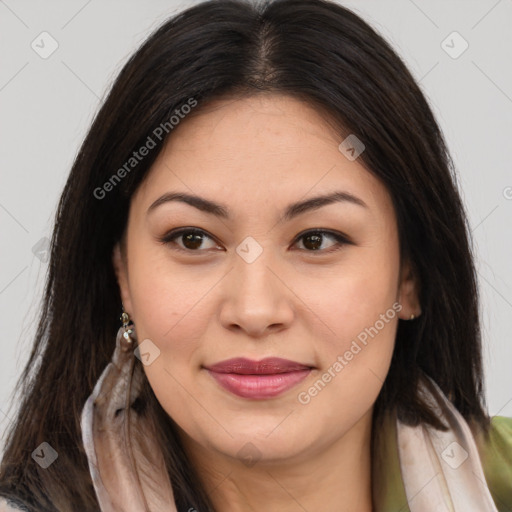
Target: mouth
<point>263,379</point>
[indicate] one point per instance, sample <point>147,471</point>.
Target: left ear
<point>408,293</point>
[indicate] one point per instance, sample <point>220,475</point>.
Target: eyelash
<point>341,240</point>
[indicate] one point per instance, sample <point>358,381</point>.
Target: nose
<point>257,299</point>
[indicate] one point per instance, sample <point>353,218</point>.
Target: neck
<point>333,477</point>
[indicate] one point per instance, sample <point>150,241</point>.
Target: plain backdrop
<point>47,105</point>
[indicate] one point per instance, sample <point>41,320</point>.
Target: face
<point>319,285</point>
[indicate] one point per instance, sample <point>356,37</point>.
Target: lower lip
<point>259,386</point>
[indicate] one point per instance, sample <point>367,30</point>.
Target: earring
<point>127,326</point>
<point>412,317</point>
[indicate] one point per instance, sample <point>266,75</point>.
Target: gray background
<point>48,104</point>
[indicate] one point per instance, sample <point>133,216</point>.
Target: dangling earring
<point>412,317</point>
<point>127,326</point>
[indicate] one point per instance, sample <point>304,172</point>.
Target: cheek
<point>351,297</point>
<point>167,298</point>
<point>170,309</point>
<point>355,320</point>
<point>354,342</point>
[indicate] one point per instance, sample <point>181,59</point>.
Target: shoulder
<point>496,453</point>
<point>7,505</point>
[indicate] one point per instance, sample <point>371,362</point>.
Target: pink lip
<point>258,379</point>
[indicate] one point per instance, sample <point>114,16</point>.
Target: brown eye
<point>190,238</point>
<point>313,240</point>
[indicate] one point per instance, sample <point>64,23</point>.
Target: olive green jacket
<point>495,453</point>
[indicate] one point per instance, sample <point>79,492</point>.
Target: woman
<point>267,199</point>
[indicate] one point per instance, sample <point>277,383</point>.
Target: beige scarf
<point>441,471</point>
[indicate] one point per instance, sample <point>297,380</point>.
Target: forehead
<point>258,149</point>
<point>271,127</point>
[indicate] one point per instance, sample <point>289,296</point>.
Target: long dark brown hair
<point>316,51</point>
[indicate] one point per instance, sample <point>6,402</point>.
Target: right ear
<point>121,270</point>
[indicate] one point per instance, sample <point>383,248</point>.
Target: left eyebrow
<point>292,211</point>
<point>318,202</point>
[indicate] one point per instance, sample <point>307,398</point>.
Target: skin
<point>256,156</point>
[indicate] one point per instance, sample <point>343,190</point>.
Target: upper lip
<point>267,366</point>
